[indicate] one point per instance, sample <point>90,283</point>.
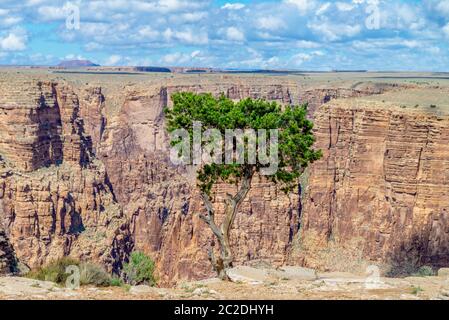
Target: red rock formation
<point>380,193</point>
<point>8,262</point>
<point>161,199</point>
<point>54,196</point>
<point>62,192</point>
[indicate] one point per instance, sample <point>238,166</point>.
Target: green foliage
<point>139,270</point>
<point>424,271</point>
<point>116,282</point>
<point>92,274</point>
<point>416,290</point>
<point>295,134</point>
<point>55,271</point>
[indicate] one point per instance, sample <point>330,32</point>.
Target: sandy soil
<point>335,286</point>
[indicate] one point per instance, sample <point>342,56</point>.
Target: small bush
<point>416,290</point>
<point>139,270</point>
<point>90,273</point>
<point>55,271</point>
<point>424,271</point>
<point>433,106</point>
<point>116,282</point>
<point>94,275</point>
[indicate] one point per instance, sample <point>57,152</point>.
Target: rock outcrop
<point>380,193</point>
<point>85,171</point>
<point>54,195</point>
<point>8,261</point>
<point>161,199</point>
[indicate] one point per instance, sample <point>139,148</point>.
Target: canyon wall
<point>8,261</point>
<point>380,192</point>
<point>54,195</point>
<point>161,199</point>
<point>85,174</point>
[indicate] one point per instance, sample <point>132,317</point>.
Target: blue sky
<point>278,34</point>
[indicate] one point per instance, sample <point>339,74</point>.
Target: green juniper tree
<point>294,144</point>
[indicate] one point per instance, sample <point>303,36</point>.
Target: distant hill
<point>77,64</point>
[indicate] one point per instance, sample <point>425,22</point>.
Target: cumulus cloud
<point>113,60</point>
<point>319,34</point>
<point>446,30</point>
<point>233,6</point>
<point>14,41</point>
<point>302,5</point>
<point>234,34</point>
<point>270,23</point>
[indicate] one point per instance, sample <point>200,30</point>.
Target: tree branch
<point>209,219</point>
<point>235,201</point>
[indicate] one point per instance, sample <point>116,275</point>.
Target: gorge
<point>85,172</point>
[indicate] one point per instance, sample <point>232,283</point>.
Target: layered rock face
<point>161,199</point>
<point>380,193</point>
<point>8,262</point>
<point>54,196</point>
<point>90,177</point>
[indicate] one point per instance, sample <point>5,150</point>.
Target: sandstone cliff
<point>161,200</point>
<point>85,172</point>
<point>8,261</point>
<point>54,196</point>
<point>380,193</point>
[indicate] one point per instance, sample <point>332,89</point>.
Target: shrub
<point>416,290</point>
<point>55,271</point>
<point>116,282</point>
<point>433,106</point>
<point>139,270</point>
<point>90,273</point>
<point>424,271</point>
<point>94,275</point>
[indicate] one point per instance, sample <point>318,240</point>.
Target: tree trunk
<point>224,262</point>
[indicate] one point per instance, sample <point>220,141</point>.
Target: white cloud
<point>446,30</point>
<point>344,6</point>
<point>270,23</point>
<point>13,42</point>
<point>148,33</point>
<point>323,8</point>
<point>10,21</point>
<point>443,7</point>
<point>187,36</point>
<point>306,44</point>
<point>233,6</point>
<point>334,32</point>
<point>113,60</point>
<point>302,5</point>
<point>179,58</point>
<point>234,34</point>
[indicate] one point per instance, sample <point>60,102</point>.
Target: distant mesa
<point>77,64</point>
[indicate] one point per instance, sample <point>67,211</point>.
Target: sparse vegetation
<point>416,290</point>
<point>295,152</point>
<point>424,271</point>
<point>410,269</point>
<point>55,271</point>
<point>90,273</point>
<point>116,282</point>
<point>433,106</point>
<point>139,270</point>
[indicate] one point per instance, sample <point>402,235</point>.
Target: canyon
<point>85,172</point>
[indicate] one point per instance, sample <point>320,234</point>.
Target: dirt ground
<point>330,286</point>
